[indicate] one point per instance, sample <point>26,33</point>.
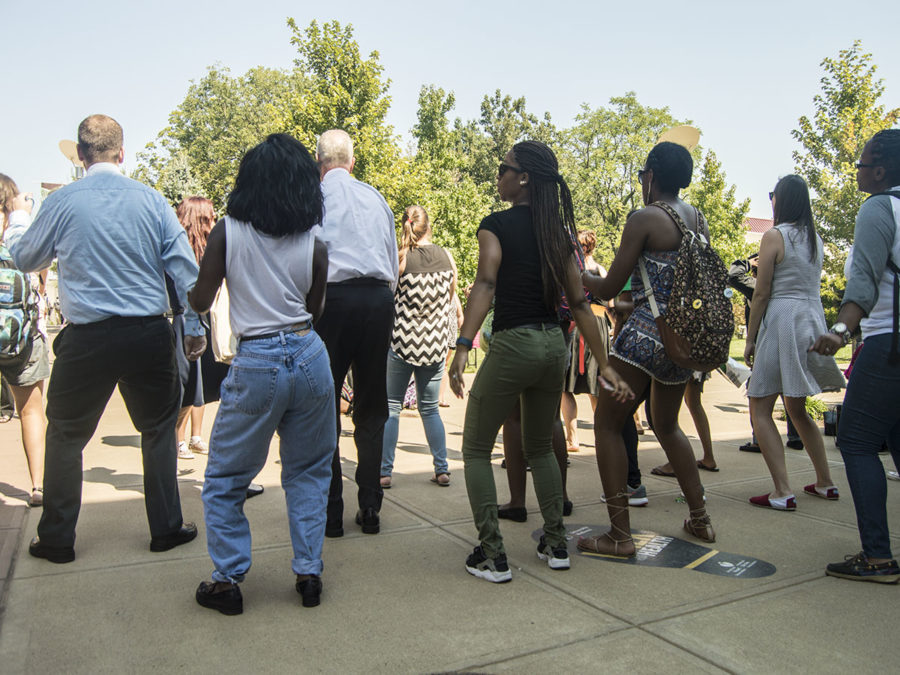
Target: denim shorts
<point>35,368</point>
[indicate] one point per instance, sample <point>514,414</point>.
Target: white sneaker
<point>184,452</point>
<point>198,445</point>
<point>893,475</point>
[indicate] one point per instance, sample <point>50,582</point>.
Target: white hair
<point>335,148</point>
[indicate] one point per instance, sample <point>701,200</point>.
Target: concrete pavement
<point>401,601</point>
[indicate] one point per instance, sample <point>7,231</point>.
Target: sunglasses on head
<point>503,168</point>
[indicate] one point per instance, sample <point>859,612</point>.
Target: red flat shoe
<point>830,493</point>
<point>788,503</point>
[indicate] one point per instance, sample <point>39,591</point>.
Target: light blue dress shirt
<point>358,229</point>
<point>114,238</point>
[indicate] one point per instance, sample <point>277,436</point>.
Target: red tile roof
<point>758,225</point>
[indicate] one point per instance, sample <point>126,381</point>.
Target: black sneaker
<point>495,570</point>
<point>310,590</point>
<point>858,568</point>
<point>557,557</point>
<point>221,595</point>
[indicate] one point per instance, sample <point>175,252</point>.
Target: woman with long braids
<point>652,237</point>
<point>527,259</point>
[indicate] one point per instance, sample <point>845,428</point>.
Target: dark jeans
<point>356,328</point>
<point>870,416</point>
<point>138,354</point>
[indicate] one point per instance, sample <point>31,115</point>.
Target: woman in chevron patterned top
<point>419,340</point>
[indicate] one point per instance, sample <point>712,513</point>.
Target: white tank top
<point>268,279</point>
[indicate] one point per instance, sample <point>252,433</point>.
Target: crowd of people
<point>318,289</point>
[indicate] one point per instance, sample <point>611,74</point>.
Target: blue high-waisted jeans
<point>428,390</point>
<point>278,384</point>
<point>870,416</point>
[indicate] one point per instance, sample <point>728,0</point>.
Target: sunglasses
<point>503,168</point>
<point>640,175</point>
<point>860,165</point>
<point>772,195</point>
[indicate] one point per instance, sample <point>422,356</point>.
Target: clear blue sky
<point>743,72</point>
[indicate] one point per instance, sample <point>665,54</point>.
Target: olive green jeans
<point>523,364</point>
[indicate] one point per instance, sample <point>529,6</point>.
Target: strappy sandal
<point>700,526</point>
<point>606,544</point>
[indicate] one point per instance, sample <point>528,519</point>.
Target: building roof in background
<point>758,225</point>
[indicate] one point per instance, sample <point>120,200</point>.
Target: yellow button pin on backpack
<point>698,303</point>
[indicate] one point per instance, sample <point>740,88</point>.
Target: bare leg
<point>770,442</point>
<point>30,404</point>
<point>692,395</point>
<point>612,462</point>
<point>181,424</point>
<point>569,409</point>
<point>197,421</point>
<point>811,437</point>
<point>515,459</point>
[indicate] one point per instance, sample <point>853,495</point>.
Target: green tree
<point>847,114</point>
<point>220,118</point>
<point>602,154</point>
<point>710,193</point>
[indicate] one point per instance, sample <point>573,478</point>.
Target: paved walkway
<point>401,601</point>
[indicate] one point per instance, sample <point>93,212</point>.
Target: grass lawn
<point>842,357</point>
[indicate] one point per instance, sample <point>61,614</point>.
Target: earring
<point>521,182</point>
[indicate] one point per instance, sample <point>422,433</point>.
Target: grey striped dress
<point>793,320</point>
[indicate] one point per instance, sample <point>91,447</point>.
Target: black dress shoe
<point>795,444</point>
<point>223,596</point>
<point>517,513</point>
<point>369,520</point>
<point>187,532</point>
<point>55,554</point>
<point>310,590</point>
<point>255,490</point>
<point>750,447</point>
<point>567,507</point>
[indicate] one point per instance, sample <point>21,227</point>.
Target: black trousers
<point>356,328</point>
<point>138,354</point>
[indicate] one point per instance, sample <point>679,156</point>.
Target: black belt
<point>362,281</point>
<point>114,321</point>
<point>296,328</point>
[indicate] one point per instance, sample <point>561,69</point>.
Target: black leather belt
<point>301,328</point>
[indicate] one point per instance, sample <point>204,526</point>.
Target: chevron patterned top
<point>421,327</point>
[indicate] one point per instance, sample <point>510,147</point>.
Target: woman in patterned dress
<point>638,354</point>
<point>786,317</point>
<point>425,291</point>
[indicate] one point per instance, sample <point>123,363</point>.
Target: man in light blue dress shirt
<point>114,239</point>
<point>358,228</point>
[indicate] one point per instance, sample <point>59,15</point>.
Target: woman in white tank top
<point>280,379</point>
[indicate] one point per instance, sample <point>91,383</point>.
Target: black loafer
<point>55,554</point>
<point>222,596</point>
<point>334,528</point>
<point>310,590</point>
<point>518,514</point>
<point>187,532</point>
<point>255,490</point>
<point>369,521</point>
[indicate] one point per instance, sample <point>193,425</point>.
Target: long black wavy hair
<point>792,206</point>
<point>277,188</point>
<point>552,216</point>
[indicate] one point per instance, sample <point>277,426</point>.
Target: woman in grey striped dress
<point>786,317</point>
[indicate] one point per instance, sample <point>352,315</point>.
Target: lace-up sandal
<point>608,543</point>
<point>700,526</point>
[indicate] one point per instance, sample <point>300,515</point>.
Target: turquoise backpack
<point>18,314</point>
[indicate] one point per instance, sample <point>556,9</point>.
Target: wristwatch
<point>464,342</point>
<point>840,329</point>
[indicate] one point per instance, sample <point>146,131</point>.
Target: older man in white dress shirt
<point>358,229</point>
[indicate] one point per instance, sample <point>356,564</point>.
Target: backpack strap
<point>648,289</point>
<point>679,221</point>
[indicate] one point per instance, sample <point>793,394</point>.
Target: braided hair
<point>552,216</point>
<point>886,153</point>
